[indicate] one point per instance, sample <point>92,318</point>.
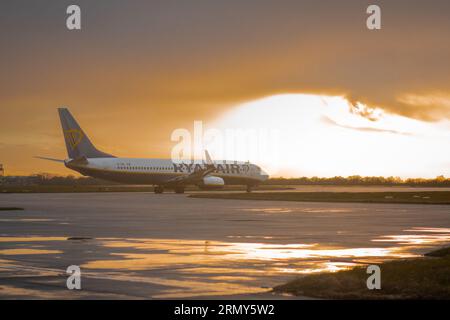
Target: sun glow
<point>327,136</point>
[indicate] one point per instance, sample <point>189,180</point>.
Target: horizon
<point>372,109</point>
<point>77,175</point>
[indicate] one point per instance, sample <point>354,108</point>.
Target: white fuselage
<point>160,171</point>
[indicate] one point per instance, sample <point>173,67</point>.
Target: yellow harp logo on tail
<point>74,137</point>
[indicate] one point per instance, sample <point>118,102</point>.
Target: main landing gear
<point>249,188</point>
<point>179,190</point>
<point>160,189</point>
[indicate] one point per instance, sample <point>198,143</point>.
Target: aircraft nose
<point>264,175</point>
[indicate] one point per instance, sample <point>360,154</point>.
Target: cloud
<point>371,114</point>
<point>436,104</point>
<point>150,55</point>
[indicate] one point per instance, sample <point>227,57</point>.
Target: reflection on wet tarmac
<point>193,268</point>
<point>166,253</point>
<point>291,210</point>
<point>26,220</point>
<point>431,236</point>
<point>203,262</point>
<point>269,210</point>
<point>317,267</point>
<point>31,239</point>
<point>13,252</point>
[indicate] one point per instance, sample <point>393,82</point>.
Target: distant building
<point>2,171</point>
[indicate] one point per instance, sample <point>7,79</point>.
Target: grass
<point>420,278</point>
<point>10,208</point>
<point>422,197</point>
<point>439,253</point>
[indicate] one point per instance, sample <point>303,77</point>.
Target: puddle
<point>299,210</point>
<point>193,268</point>
<point>209,268</point>
<point>270,210</point>
<point>30,239</point>
<point>431,236</point>
<point>148,254</point>
<point>26,220</point>
<point>14,252</point>
<point>320,267</point>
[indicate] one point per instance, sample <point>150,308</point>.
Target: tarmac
<point>170,246</point>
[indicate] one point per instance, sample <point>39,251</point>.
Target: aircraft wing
<point>195,176</point>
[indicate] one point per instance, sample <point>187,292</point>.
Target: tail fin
<point>77,142</point>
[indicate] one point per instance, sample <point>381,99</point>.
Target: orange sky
<point>136,71</point>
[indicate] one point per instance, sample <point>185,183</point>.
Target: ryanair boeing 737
<point>162,173</point>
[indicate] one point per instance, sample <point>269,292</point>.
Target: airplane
<point>86,159</point>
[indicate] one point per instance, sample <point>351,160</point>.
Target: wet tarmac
<point>143,245</point>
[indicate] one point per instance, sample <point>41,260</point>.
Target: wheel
<point>179,190</point>
<point>249,188</point>
<point>159,189</point>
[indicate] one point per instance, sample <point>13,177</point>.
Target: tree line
<point>49,179</point>
<point>356,180</point>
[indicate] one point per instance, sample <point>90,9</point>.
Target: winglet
<point>208,158</point>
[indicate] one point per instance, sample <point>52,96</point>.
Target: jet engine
<point>211,182</point>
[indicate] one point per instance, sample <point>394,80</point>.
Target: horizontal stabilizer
<point>79,161</point>
<point>50,159</point>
